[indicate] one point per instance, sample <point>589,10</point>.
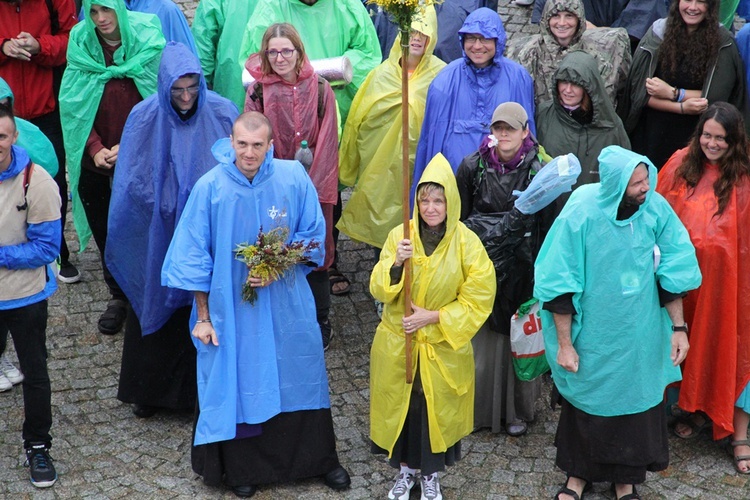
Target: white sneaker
<point>11,373</point>
<point>431,487</point>
<point>404,483</point>
<point>5,384</point>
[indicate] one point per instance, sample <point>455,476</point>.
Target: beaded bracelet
<point>203,321</point>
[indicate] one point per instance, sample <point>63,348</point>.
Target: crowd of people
<point>136,120</point>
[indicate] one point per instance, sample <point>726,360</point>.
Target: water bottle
<point>304,156</point>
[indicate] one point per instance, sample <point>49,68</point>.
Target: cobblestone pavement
<point>103,451</point>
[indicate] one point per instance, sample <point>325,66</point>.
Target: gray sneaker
<point>404,483</point>
<point>431,487</point>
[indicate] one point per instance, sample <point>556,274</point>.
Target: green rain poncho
<point>621,334</point>
<point>31,139</point>
<point>370,154</point>
<point>84,79</point>
<point>329,28</point>
<point>217,28</point>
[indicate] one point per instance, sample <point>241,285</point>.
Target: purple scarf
<point>488,152</point>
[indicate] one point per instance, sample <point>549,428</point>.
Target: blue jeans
<point>28,328</point>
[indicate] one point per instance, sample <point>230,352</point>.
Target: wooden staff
<point>406,186</point>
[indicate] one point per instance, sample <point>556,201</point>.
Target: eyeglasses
<point>285,53</point>
<point>471,39</point>
<point>178,91</point>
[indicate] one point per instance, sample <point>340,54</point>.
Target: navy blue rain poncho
<point>173,23</point>
<point>461,99</point>
<point>161,157</point>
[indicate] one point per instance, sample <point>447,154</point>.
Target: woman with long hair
<point>301,107</point>
<point>684,63</point>
<point>708,185</point>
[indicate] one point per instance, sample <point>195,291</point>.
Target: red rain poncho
<point>717,368</point>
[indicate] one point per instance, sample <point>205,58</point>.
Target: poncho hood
<point>225,155</point>
<point>31,139</point>
<point>551,8</point>
<point>427,25</point>
<point>616,166</point>
<point>5,91</point>
<point>440,172</point>
<point>487,23</point>
<point>580,67</point>
<point>253,66</point>
<point>177,61</point>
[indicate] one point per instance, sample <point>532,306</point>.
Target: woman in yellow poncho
<point>420,425</point>
<point>370,153</point>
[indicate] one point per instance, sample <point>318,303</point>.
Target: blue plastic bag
<point>555,178</point>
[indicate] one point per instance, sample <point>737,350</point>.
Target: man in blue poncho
<point>463,96</point>
<point>611,275</point>
<point>165,148</point>
<point>264,411</point>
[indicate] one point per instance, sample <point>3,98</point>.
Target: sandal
<point>737,459</point>
<point>111,320</point>
<point>335,277</point>
<point>630,496</point>
<point>695,428</point>
<point>564,490</point>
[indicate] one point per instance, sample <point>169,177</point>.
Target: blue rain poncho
<point>621,334</point>
<point>31,139</point>
<point>270,354</point>
<point>161,157</point>
<point>461,99</point>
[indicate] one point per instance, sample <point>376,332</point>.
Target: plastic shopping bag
<point>527,342</point>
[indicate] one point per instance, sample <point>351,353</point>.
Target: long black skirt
<point>158,369</point>
<point>616,449</point>
<point>413,444</point>
<point>291,446</point>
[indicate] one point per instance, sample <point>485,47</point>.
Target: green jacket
<point>560,134</point>
<point>217,28</point>
<point>725,80</point>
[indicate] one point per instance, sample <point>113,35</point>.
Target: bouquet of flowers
<point>270,257</point>
<point>403,11</point>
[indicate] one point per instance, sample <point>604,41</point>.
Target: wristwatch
<point>681,328</point>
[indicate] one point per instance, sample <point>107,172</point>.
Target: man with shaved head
<point>264,411</point>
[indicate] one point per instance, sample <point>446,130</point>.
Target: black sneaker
<point>43,474</point>
<point>68,273</point>
<point>327,332</point>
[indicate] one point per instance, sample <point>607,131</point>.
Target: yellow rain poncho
<point>458,280</point>
<point>370,153</point>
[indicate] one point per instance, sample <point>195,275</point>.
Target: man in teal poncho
<point>611,275</point>
<point>264,410</point>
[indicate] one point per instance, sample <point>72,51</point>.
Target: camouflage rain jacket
<point>541,54</point>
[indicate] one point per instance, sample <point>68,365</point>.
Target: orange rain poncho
<point>717,368</point>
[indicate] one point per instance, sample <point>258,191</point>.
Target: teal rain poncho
<point>31,139</point>
<point>621,334</point>
<point>84,79</point>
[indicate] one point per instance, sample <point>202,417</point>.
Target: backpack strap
<point>54,18</point>
<point>26,180</point>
